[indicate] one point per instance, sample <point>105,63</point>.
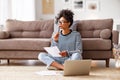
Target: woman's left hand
<point>63,53</point>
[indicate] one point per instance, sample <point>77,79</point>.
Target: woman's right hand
<point>63,53</point>
<point>55,37</point>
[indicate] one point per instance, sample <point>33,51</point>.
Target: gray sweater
<point>71,42</point>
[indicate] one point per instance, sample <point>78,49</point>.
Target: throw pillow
<point>105,33</point>
<point>74,25</point>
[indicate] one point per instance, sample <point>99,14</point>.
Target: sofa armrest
<point>4,34</point>
<point>115,36</point>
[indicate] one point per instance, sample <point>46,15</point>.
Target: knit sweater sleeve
<point>53,42</point>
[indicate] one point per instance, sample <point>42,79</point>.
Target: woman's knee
<point>76,56</point>
<point>42,55</point>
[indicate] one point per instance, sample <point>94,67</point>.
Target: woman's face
<point>63,23</point>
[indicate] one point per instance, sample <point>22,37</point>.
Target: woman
<point>68,41</point>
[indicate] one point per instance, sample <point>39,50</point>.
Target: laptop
<point>76,67</point>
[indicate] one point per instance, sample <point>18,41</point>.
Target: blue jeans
<point>48,59</point>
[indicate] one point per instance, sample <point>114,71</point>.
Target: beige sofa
<point>26,39</point>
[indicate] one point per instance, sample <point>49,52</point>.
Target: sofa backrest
<point>94,28</point>
<point>30,29</point>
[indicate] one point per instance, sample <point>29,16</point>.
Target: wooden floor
<point>95,63</point>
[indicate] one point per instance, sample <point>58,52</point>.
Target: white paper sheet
<point>54,51</point>
<point>45,73</point>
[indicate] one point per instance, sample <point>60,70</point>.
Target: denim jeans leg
<point>45,58</point>
<point>75,56</point>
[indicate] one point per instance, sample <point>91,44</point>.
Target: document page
<point>46,73</point>
<point>54,51</point>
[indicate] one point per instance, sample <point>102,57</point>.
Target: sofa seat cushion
<point>24,44</point>
<point>96,44</point>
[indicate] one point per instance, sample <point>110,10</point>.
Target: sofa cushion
<point>30,29</point>
<point>96,44</point>
<point>24,44</point>
<point>92,28</point>
<point>4,34</point>
<point>96,33</point>
<point>105,33</point>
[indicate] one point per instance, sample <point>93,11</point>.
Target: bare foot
<point>57,65</point>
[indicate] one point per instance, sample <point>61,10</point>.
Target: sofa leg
<point>107,62</point>
<point>8,61</point>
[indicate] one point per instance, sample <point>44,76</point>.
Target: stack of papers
<point>54,51</point>
<point>49,73</point>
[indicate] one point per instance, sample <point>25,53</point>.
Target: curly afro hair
<point>67,14</point>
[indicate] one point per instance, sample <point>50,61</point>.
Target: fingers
<point>56,35</point>
<point>63,53</point>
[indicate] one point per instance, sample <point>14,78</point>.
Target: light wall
<point>39,15</point>
<point>107,9</point>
